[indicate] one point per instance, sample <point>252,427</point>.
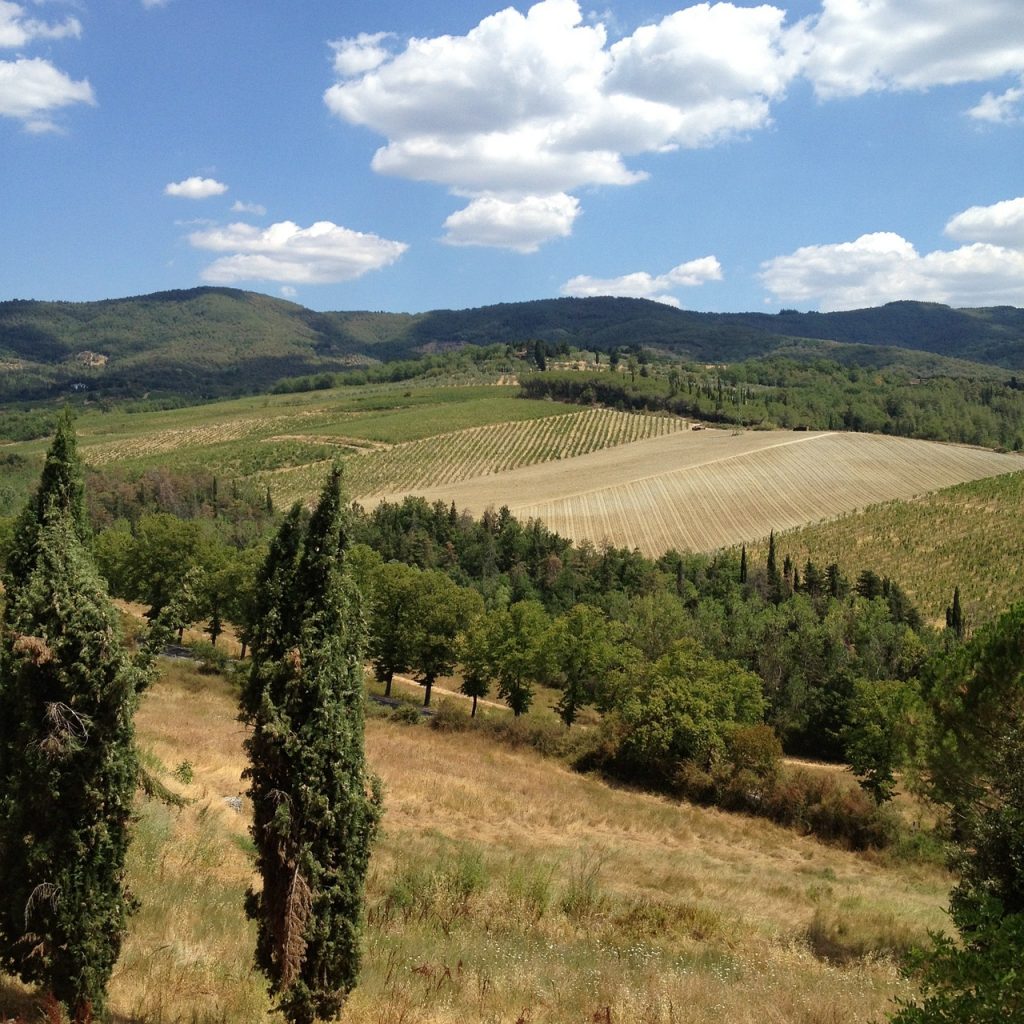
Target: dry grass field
<point>713,488</point>
<point>506,888</point>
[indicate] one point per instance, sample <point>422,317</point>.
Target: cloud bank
<point>883,267</point>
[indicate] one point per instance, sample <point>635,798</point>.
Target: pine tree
<point>315,806</point>
<point>68,767</point>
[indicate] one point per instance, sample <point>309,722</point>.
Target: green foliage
<point>976,761</point>
<point>682,708</point>
<point>68,765</point>
<point>315,806</point>
<point>879,734</point>
<point>441,613</point>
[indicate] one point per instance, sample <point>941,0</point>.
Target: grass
<point>507,888</point>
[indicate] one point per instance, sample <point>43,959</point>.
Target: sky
<point>400,156</point>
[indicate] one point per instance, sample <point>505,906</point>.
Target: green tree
<point>580,651</point>
<point>68,766</point>
<point>393,605</point>
<point>882,715</point>
<point>315,806</point>
<point>61,494</point>
<point>682,709</point>
<point>955,616</point>
<point>515,637</point>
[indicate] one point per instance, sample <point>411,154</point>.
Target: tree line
<point>783,392</point>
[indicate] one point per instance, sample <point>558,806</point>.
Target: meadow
<point>506,888</point>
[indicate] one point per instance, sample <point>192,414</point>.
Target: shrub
<point>450,717</point>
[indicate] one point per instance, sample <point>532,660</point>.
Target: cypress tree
<point>68,767</point>
<point>955,616</point>
<point>315,806</point>
<point>743,564</point>
<point>61,494</point>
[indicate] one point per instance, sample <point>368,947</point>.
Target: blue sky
<point>412,156</point>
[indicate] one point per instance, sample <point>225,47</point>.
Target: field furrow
<point>712,489</point>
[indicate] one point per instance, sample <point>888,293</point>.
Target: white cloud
<point>323,253</point>
<point>1001,224</point>
<point>149,4</point>
<point>360,54</point>
<point>538,104</point>
<point>195,188</point>
<point>522,225</point>
<point>859,46</point>
<point>16,30</point>
<point>642,285</point>
<point>884,267</point>
<point>1002,109</point>
<point>256,209</point>
<point>31,89</point>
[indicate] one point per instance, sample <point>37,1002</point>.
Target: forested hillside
<point>207,342</point>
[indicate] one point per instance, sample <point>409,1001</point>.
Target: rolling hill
<point>207,342</point>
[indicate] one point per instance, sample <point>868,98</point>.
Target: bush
<point>406,714</point>
<point>450,717</point>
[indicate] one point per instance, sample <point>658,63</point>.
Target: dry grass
<point>711,489</point>
<point>506,888</point>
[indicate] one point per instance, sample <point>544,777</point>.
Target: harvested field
<point>706,490</point>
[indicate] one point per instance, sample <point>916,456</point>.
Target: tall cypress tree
<point>315,805</point>
<point>68,768</point>
<point>61,494</point>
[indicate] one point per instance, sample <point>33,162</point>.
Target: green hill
<point>206,342</point>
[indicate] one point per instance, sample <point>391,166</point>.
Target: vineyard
<point>450,458</point>
<point>967,536</point>
<point>714,489</point>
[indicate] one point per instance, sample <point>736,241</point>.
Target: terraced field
<point>711,489</point>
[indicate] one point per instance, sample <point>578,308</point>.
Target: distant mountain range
<point>205,342</point>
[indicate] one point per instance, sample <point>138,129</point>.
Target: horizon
<point>442,309</point>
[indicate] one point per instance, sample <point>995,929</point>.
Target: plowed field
<point>709,489</point>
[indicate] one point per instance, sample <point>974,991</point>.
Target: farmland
<point>966,536</point>
<point>711,489</point>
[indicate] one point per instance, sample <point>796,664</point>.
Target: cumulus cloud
<point>1002,109</point>
<point>323,253</point>
<point>522,225</point>
<point>538,104</point>
<point>642,285</point>
<point>884,267</point>
<point>1001,224</point>
<point>31,89</point>
<point>195,188</point>
<point>859,46</point>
